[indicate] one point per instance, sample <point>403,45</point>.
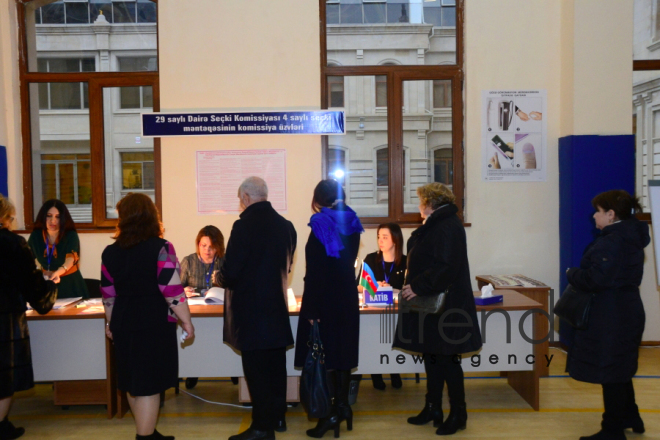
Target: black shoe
<point>325,424</point>
<point>191,382</point>
<point>457,419</point>
<point>396,381</point>
<point>378,382</point>
<point>234,380</point>
<point>606,435</point>
<point>8,431</point>
<point>281,426</point>
<point>154,436</point>
<point>636,424</point>
<point>253,434</point>
<point>343,384</point>
<point>430,412</point>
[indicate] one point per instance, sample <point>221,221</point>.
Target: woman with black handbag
<point>331,298</point>
<point>438,262</point>
<point>606,351</point>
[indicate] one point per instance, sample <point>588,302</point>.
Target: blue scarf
<point>329,223</point>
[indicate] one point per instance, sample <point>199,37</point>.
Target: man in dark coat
<point>255,277</point>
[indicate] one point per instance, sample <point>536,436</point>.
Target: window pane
<point>130,97</point>
<point>88,65</point>
<point>382,167</point>
<point>381,91</point>
<point>137,64</point>
<point>147,97</point>
<point>61,149</point>
<point>336,91</point>
<point>146,11</point>
<point>53,13</point>
<point>385,42</point>
<point>65,96</point>
<point>646,127</point>
<point>84,181</point>
<point>427,138</point>
<point>646,30</point>
<point>63,65</point>
<point>128,157</point>
<point>357,153</point>
<point>332,14</point>
<point>123,12</point>
<point>77,13</point>
<point>375,13</point>
<point>133,30</point>
<point>98,7</point>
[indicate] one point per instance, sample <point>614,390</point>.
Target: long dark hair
<point>621,202</point>
<point>216,237</point>
<point>326,194</point>
<point>66,222</point>
<point>138,220</point>
<point>397,239</point>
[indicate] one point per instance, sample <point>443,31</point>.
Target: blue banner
<point>242,123</point>
<point>4,189</point>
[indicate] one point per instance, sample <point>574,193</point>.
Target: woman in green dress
<point>55,244</point>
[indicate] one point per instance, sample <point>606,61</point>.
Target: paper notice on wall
<point>514,135</point>
<point>220,173</point>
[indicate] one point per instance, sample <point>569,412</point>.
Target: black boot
<point>325,424</point>
<point>431,411</point>
<point>343,385</point>
<point>636,424</point>
<point>191,382</point>
<point>396,381</point>
<point>378,381</point>
<point>457,419</point>
<point>281,426</point>
<point>8,431</point>
<point>254,434</point>
<point>604,434</point>
<point>154,436</point>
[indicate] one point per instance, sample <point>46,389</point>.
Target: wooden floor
<point>569,409</point>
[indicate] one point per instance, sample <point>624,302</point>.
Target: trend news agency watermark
<point>388,327</point>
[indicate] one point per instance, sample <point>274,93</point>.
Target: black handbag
<point>574,306</point>
<point>314,392</point>
<point>433,305</point>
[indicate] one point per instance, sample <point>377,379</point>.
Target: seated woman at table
<point>198,269</point>
<point>143,297</point>
<point>55,244</point>
<point>438,262</point>
<point>20,280</point>
<point>389,266</point>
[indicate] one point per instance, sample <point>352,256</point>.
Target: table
<point>537,291</point>
<point>70,345</point>
<point>70,349</point>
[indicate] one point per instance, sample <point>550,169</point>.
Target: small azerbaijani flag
<point>368,280</point>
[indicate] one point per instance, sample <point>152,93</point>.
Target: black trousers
<point>265,373</point>
<point>440,369</point>
<point>620,406</point>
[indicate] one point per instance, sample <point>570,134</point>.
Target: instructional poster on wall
<point>514,135</point>
<point>220,173</point>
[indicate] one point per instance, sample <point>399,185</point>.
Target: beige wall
<point>263,54</point>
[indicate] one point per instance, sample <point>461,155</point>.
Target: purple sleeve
<point>169,278</point>
<point>107,287</point>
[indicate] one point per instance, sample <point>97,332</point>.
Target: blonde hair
<point>6,208</point>
<point>435,195</point>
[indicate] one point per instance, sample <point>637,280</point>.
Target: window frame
<point>96,82</point>
<point>396,76</point>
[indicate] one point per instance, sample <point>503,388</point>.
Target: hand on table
<point>190,291</point>
<point>55,278</point>
<point>407,292</point>
<point>382,284</point>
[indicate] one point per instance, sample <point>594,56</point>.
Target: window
<point>81,98</point>
<point>646,96</point>
<point>402,99</point>
<point>137,171</point>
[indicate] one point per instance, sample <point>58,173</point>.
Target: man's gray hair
<point>255,187</point>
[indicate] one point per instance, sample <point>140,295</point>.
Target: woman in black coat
<point>20,281</point>
<point>438,261</point>
<point>331,297</point>
<point>606,352</point>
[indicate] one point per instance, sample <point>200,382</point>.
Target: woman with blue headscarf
<point>331,298</point>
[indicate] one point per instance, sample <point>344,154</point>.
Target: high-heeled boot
<point>331,421</point>
<point>8,431</point>
<point>457,419</point>
<point>343,385</point>
<point>431,411</point>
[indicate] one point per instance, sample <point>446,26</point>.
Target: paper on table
<point>60,303</point>
<point>196,301</point>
